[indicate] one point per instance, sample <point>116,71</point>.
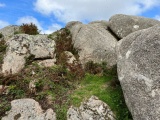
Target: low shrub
<point>30,29</point>
<point>93,68</point>
<point>1,35</point>
<point>3,48</point>
<point>64,43</point>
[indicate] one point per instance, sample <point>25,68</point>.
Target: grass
<point>52,87</point>
<point>52,84</point>
<point>63,90</point>
<point>63,85</point>
<point>101,86</point>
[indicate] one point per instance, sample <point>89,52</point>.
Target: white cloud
<point>52,28</point>
<point>68,10</point>
<point>31,19</point>
<point>3,24</point>
<point>2,5</point>
<point>157,17</point>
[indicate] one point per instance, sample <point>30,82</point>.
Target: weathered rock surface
<point>47,63</point>
<point>32,85</point>
<point>101,23</point>
<point>9,31</point>
<point>21,46</point>
<point>93,109</point>
<point>70,57</point>
<point>94,43</point>
<point>4,89</point>
<point>123,25</point>
<point>28,109</point>
<point>139,72</point>
<point>72,24</point>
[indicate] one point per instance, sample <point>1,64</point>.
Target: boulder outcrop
<point>123,25</point>
<point>101,23</point>
<point>139,72</point>
<point>71,24</point>
<point>137,55</point>
<point>93,42</point>
<point>93,109</point>
<point>22,46</point>
<point>28,109</point>
<point>9,31</point>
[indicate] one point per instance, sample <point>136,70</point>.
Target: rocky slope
<point>42,64</point>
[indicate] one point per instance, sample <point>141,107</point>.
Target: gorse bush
<point>64,43</point>
<point>30,29</point>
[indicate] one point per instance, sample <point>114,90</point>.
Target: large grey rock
<point>21,46</point>
<point>94,43</point>
<point>123,25</point>
<point>28,109</point>
<point>93,109</point>
<point>139,72</point>
<point>101,23</point>
<point>9,31</point>
<point>71,24</point>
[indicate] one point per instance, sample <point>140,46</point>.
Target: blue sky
<point>50,15</point>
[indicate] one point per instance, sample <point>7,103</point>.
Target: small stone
<point>28,109</point>
<point>70,57</point>
<point>93,109</point>
<point>32,86</point>
<point>4,89</point>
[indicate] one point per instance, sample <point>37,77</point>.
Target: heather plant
<point>64,84</point>
<point>30,29</point>
<point>3,48</point>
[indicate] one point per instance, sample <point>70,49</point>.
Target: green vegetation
<point>3,47</point>
<point>105,90</point>
<point>51,91</point>
<point>64,43</point>
<point>1,35</point>
<point>30,29</point>
<point>17,32</point>
<point>64,84</point>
